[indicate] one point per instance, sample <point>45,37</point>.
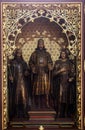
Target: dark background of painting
<point>83,50</point>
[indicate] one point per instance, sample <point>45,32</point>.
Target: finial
<point>41,127</point>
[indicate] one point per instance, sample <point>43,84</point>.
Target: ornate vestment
<point>19,96</point>
<point>41,62</point>
<point>64,86</point>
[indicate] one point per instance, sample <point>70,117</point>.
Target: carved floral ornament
<point>15,16</point>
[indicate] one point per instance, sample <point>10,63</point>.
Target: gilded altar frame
<point>16,15</point>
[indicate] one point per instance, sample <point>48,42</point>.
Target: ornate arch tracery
<point>53,16</point>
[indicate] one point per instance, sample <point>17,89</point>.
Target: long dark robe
<point>40,60</point>
<point>18,93</point>
<point>63,88</point>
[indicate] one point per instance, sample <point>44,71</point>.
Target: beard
<point>19,59</point>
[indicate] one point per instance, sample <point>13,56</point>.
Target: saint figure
<point>41,65</point>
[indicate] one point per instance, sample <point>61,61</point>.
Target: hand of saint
<point>63,69</point>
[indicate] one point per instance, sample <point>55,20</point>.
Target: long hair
<point>39,41</point>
